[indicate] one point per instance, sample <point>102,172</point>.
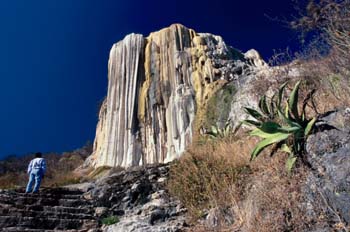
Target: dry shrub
<point>13,180</point>
<point>209,175</point>
<point>63,179</point>
<point>329,23</point>
<point>273,197</point>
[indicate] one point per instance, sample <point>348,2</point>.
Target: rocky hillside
<point>132,200</point>
<point>158,91</point>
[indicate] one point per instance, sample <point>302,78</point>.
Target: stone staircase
<point>55,209</point>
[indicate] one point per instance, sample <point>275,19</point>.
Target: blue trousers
<point>35,178</point>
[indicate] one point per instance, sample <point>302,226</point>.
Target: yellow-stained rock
<point>158,87</point>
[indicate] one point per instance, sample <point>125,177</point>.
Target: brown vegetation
<point>216,177</point>
<point>60,169</point>
<point>202,177</point>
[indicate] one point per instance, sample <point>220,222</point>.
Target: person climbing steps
<point>36,171</point>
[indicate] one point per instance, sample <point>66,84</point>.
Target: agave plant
<point>280,125</point>
<point>216,132</point>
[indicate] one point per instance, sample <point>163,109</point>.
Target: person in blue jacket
<point>36,171</point>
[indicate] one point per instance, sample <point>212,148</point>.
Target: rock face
<point>328,185</point>
<point>157,87</point>
<point>139,198</point>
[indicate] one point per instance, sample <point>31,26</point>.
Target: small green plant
<point>110,220</point>
<point>287,128</point>
<point>218,133</point>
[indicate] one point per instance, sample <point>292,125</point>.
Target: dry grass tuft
<point>202,178</point>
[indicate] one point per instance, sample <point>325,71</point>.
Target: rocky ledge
<point>137,198</point>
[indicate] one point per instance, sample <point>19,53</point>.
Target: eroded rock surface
<point>328,186</point>
<point>139,198</point>
<point>157,87</point>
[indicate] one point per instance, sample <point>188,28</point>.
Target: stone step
<point>49,195</point>
<point>46,223</point>
<point>55,191</point>
<point>86,209</point>
<point>45,214</point>
<point>23,229</point>
<point>32,200</point>
<point>49,210</point>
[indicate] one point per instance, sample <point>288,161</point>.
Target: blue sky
<point>54,53</point>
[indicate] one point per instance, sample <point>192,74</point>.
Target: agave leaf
<point>286,111</point>
<point>286,148</point>
<point>220,132</point>
<point>251,123</point>
<point>263,105</point>
<point>299,135</point>
<point>210,133</point>
<point>290,129</point>
<point>280,94</point>
<point>278,137</point>
<point>227,130</point>
<point>293,100</point>
<point>273,106</point>
<point>255,114</point>
<point>212,136</point>
<point>290,162</point>
<point>287,120</point>
<point>272,110</point>
<point>270,127</point>
<point>262,134</point>
<point>309,97</point>
<point>309,127</point>
<point>214,130</point>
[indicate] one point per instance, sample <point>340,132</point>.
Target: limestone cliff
<point>158,90</point>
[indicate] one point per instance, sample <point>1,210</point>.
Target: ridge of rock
<point>158,90</point>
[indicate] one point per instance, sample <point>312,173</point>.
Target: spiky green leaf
<point>211,134</point>
<point>214,130</point>
<point>255,114</point>
<point>262,134</point>
<point>278,137</point>
<point>288,121</point>
<point>227,130</point>
<point>263,105</point>
<point>309,127</point>
<point>289,129</point>
<point>286,148</point>
<point>286,111</point>
<point>270,127</point>
<point>290,162</point>
<point>293,101</point>
<point>251,123</point>
<point>280,95</point>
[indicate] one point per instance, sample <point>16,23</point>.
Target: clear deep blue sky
<point>54,53</point>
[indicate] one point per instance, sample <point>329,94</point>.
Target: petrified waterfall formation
<point>157,87</point>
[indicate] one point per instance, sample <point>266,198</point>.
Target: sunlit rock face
<point>158,88</point>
